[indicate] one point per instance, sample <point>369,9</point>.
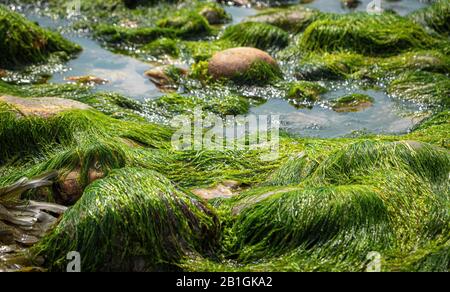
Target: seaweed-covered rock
<point>304,93</point>
<point>162,46</point>
<point>385,34</point>
<point>188,24</point>
<point>352,103</point>
<point>23,42</point>
<point>294,19</point>
<point>431,89</point>
<point>134,219</point>
<point>244,65</point>
<point>259,35</point>
<point>42,106</point>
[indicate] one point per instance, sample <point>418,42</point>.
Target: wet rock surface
<point>42,106</point>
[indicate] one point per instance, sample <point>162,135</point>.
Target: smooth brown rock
<point>232,62</point>
<point>70,188</point>
<point>42,106</point>
<point>159,77</point>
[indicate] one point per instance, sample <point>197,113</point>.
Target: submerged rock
<point>87,80</point>
<point>239,64</point>
<point>352,103</point>
<point>42,106</point>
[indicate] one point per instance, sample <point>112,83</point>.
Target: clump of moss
<point>385,34</point>
<point>23,42</point>
<point>304,93</point>
<point>435,17</point>
<point>259,73</point>
<point>352,102</point>
<point>259,35</point>
<point>163,46</point>
<point>134,219</point>
<point>431,89</point>
<point>189,24</point>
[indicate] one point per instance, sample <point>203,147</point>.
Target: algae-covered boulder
<point>244,65</point>
<point>134,219</point>
<point>385,34</point>
<point>259,35</point>
<point>23,42</point>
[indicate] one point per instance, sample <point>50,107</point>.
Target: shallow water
<point>385,116</point>
<point>125,75</point>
